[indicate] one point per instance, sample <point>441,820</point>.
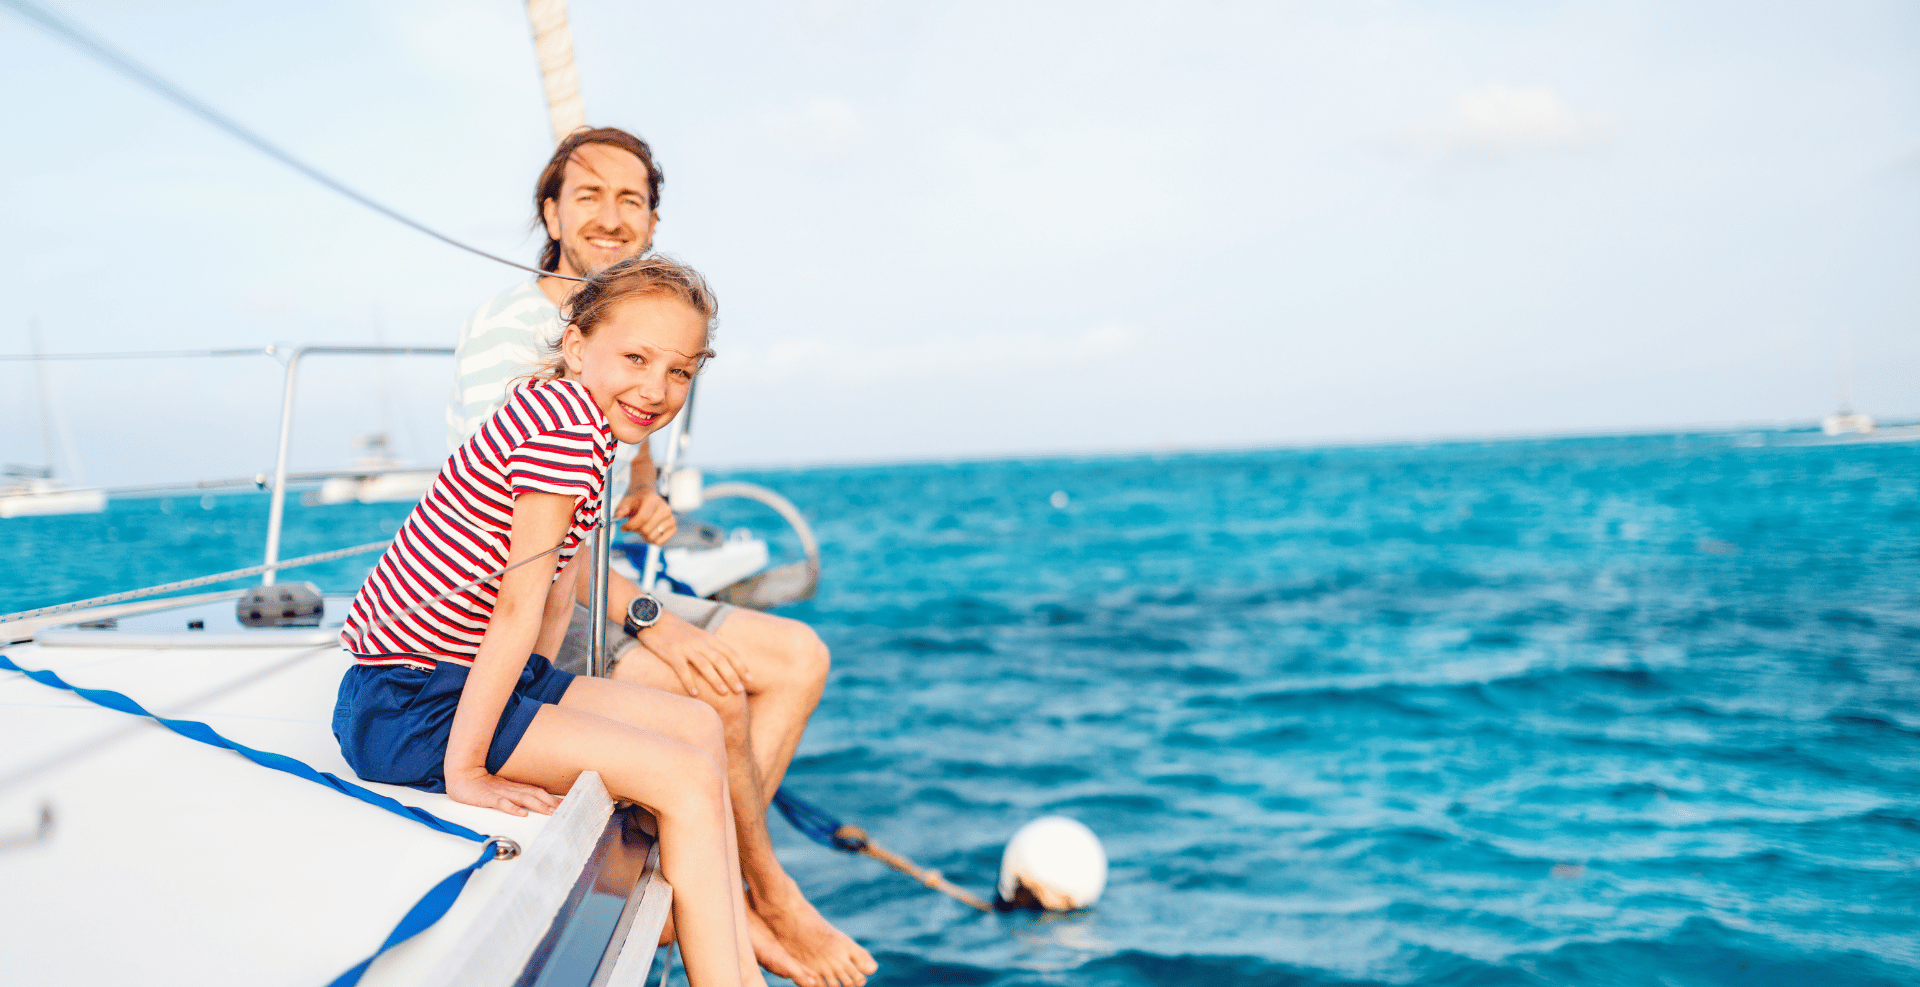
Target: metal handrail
<point>279,510</point>
<point>678,434</point>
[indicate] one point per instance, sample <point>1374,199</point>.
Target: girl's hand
<point>694,654</point>
<point>476,787</point>
<point>647,515</point>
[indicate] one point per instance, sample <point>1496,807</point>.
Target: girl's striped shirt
<point>548,438</point>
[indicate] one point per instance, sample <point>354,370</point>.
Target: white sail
<point>553,43</point>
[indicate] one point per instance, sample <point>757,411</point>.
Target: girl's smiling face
<point>639,362</point>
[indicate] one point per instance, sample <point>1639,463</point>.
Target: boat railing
<point>277,513</point>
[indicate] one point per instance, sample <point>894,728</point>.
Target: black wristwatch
<point>643,611</point>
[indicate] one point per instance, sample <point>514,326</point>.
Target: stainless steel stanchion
<point>597,588</point>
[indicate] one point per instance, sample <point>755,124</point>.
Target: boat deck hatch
<point>207,624</point>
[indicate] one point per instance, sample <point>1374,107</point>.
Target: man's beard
<point>573,259</point>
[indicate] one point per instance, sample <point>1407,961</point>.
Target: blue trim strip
<point>421,916</point>
<point>195,730</point>
<point>431,906</point>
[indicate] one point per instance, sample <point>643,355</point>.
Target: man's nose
<point>609,215</point>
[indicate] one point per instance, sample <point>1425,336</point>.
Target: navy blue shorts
<point>392,721</point>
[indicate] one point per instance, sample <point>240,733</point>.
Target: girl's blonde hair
<point>653,274</point>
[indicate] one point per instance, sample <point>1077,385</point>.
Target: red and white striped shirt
<point>549,438</point>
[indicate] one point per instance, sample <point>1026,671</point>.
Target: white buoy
<point>1058,862</point>
<point>1059,500</point>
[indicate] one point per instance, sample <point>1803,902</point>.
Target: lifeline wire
<point>390,618</point>
<point>114,59</point>
<point>218,577</point>
<point>138,355</point>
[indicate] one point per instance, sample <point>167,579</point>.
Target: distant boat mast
<point>52,427</point>
<point>1845,420</point>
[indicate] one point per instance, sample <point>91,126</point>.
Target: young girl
<point>455,696</point>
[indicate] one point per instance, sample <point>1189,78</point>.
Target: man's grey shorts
<point>707,615</point>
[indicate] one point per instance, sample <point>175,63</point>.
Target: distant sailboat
<point>1846,421</point>
<point>31,490</point>
<point>378,477</point>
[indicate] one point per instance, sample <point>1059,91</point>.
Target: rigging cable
<point>139,354</point>
<point>114,59</point>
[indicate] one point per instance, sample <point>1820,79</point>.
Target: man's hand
<point>694,654</point>
<point>476,787</point>
<point>647,515</point>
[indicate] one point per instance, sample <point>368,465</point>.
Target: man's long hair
<point>553,175</point>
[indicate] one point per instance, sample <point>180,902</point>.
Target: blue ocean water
<point>1599,711</point>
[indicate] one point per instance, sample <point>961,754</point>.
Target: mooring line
<point>817,825</point>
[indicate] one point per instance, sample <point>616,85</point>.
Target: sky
<point>945,230</point>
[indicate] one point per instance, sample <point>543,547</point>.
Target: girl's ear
<point>573,348</point>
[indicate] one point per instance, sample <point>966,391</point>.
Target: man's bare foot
<point>774,957</point>
<point>811,940</point>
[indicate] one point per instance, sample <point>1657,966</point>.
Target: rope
<point>118,61</point>
<point>218,577</point>
<point>815,824</point>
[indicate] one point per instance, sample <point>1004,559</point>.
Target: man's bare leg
<point>788,690</point>
<point>789,665</point>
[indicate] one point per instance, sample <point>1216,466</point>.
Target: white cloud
<point>1503,119</point>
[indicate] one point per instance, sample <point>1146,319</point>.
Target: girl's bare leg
<point>678,775</point>
<point>689,720</point>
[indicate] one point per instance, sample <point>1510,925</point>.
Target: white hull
<point>41,502</point>
<point>386,488</point>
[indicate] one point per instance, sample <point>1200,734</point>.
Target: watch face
<point>644,610</point>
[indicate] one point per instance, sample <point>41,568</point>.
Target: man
<point>598,200</point>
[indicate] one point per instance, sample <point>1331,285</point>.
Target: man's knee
<point>815,662</point>
<point>805,655</point>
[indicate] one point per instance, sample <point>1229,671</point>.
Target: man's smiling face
<point>602,215</point>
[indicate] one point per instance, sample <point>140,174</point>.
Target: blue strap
<point>195,730</point>
<point>431,906</point>
<point>421,916</point>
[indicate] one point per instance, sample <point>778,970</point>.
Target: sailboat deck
<point>170,861</point>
